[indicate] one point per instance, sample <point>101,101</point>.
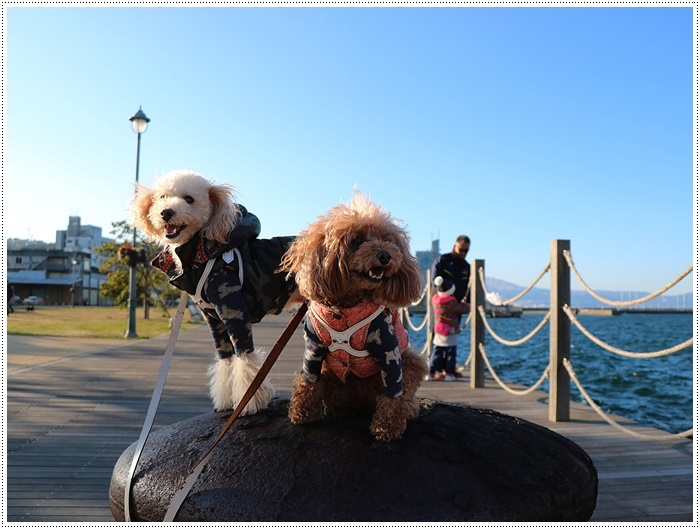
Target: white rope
<point>410,323</point>
<point>527,289</point>
<point>500,382</point>
<point>597,341</point>
<point>471,355</point>
<point>513,343</point>
<point>426,349</point>
<point>422,295</point>
<point>567,256</point>
<point>466,323</point>
<point>470,285</point>
<point>570,369</point>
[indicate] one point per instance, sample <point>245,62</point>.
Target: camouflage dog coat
<point>228,304</point>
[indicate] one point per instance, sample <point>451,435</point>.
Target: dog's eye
<point>356,242</point>
<point>162,197</point>
<point>188,199</point>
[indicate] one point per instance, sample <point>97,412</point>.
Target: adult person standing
<point>454,266</point>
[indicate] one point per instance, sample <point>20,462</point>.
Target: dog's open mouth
<point>173,230</point>
<point>376,274</point>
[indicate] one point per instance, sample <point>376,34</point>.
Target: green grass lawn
<point>89,322</point>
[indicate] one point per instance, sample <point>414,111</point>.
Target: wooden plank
<point>68,423</point>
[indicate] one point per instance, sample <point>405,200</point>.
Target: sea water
<point>656,392</point>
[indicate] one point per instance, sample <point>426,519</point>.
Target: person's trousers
<point>443,358</point>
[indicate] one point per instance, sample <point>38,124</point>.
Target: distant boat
<point>495,308</point>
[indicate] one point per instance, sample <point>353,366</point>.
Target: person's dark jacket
<point>456,270</point>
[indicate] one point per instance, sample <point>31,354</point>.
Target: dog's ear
<point>328,273</point>
<point>403,287</point>
<point>139,209</point>
<point>318,274</point>
<point>224,213</point>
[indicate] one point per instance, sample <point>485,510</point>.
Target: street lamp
<point>139,122</point>
<point>72,286</point>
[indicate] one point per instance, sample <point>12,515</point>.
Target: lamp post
<point>72,286</point>
<point>139,122</point>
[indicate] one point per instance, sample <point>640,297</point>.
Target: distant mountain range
<point>539,297</point>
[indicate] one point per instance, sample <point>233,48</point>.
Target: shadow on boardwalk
<point>74,406</point>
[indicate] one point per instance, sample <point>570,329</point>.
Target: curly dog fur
<point>197,221</point>
<point>354,255</point>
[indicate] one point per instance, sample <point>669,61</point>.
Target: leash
<point>277,348</point>
<point>155,400</point>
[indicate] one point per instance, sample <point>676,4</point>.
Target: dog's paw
<point>258,401</point>
<point>390,418</point>
<point>306,404</point>
<point>301,413</point>
<point>245,368</point>
<point>385,431</point>
<point>220,389</point>
<point>413,408</point>
<point>230,380</point>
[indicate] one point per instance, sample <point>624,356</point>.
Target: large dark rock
<point>454,464</point>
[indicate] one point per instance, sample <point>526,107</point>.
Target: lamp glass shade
<point>139,125</point>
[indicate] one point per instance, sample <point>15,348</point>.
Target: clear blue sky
<point>514,126</point>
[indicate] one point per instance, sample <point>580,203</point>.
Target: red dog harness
<point>344,332</point>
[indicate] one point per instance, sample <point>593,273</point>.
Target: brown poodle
<point>354,266</point>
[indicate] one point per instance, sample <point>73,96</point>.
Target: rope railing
<point>426,349</point>
<point>470,285</point>
<point>654,354</point>
<point>417,302</point>
<point>421,325</point>
<point>469,358</point>
<point>525,291</point>
<point>569,368</point>
<point>570,261</point>
<point>466,323</point>
<point>503,385</point>
<point>513,343</point>
<point>407,317</point>
<point>560,257</point>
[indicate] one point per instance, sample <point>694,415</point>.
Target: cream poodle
<point>211,251</point>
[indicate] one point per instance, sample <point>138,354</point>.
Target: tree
<point>119,256</point>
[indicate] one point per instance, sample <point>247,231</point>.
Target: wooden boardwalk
<point>74,406</point>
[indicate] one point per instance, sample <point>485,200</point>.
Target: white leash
<point>183,491</point>
<point>155,400</point>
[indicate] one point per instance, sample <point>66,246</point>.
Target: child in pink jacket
<point>447,318</point>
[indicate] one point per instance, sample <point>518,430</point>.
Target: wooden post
<point>559,332</point>
<point>476,300</point>
<point>429,311</point>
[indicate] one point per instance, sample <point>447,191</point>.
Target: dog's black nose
<point>167,214</point>
<point>383,257</point>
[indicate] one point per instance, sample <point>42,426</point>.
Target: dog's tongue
<point>171,229</point>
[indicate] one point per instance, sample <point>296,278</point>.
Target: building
<point>82,239</point>
<point>65,273</point>
<point>427,258</point>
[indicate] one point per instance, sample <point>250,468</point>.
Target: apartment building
<point>63,273</point>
